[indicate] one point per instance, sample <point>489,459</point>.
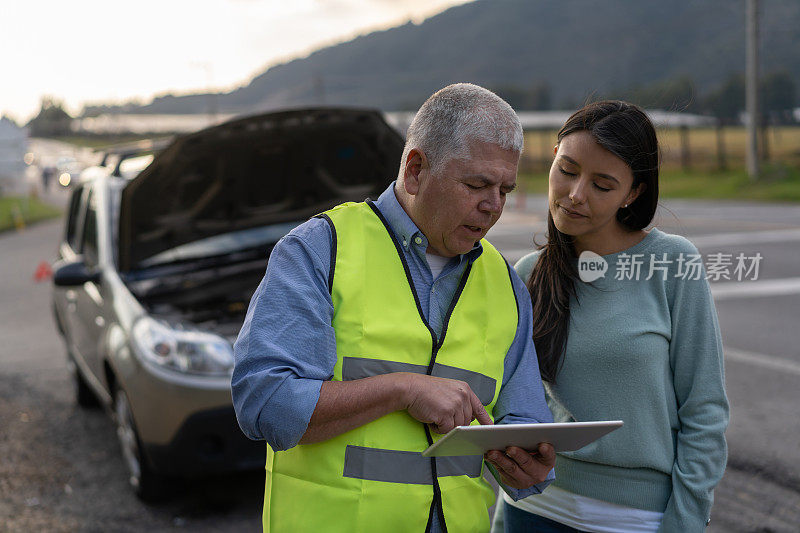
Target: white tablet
<point>476,440</point>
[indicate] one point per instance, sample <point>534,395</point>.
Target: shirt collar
<point>404,228</point>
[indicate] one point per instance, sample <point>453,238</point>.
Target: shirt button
<point>405,244</point>
<point>418,240</point>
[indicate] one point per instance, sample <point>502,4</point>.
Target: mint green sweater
<point>647,352</point>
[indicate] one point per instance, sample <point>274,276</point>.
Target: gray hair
<point>456,115</point>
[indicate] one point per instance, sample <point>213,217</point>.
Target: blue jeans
<point>519,521</point>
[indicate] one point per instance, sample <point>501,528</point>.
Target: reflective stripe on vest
<point>396,466</point>
<point>358,367</point>
<point>373,478</point>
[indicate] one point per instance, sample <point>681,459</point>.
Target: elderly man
<point>379,326</point>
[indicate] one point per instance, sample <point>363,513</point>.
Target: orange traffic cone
<point>43,272</point>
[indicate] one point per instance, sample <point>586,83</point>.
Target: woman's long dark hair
<point>624,130</point>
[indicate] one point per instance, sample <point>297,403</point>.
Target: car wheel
<point>148,485</point>
<point>84,395</point>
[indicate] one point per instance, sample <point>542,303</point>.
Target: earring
<point>624,206</point>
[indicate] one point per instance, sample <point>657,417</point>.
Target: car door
<point>89,324</point>
<point>64,298</point>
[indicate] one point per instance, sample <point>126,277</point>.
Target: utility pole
<point>752,89</point>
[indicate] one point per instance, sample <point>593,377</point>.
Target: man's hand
<point>345,405</point>
<point>442,403</point>
<point>521,469</point>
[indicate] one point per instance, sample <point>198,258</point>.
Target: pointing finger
<point>480,412</point>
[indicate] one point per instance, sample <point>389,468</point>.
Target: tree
<point>778,97</point>
<point>8,118</point>
<point>676,94</point>
<point>727,101</point>
<point>51,121</point>
<point>533,98</point>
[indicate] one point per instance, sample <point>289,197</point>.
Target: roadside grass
<point>779,183</point>
<point>16,212</point>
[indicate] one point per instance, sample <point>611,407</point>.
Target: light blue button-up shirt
<point>287,347</point>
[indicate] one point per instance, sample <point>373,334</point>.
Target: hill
<point>566,49</point>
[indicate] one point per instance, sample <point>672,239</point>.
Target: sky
<point>91,51</point>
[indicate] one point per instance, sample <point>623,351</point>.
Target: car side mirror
<point>72,273</point>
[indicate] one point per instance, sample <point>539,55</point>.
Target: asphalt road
<point>60,468</point>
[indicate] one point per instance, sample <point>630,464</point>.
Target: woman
<point>640,343</point>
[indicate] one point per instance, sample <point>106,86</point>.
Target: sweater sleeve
<point>696,360</point>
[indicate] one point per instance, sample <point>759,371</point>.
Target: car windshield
<point>221,244</point>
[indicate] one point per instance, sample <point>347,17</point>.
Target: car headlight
<point>184,350</point>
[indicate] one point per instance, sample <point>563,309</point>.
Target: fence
<point>686,148</point>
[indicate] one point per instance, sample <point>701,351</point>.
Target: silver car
<point>162,249</point>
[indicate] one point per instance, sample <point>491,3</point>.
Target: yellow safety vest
<point>373,478</point>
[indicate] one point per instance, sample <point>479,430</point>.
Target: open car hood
<point>256,171</point>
